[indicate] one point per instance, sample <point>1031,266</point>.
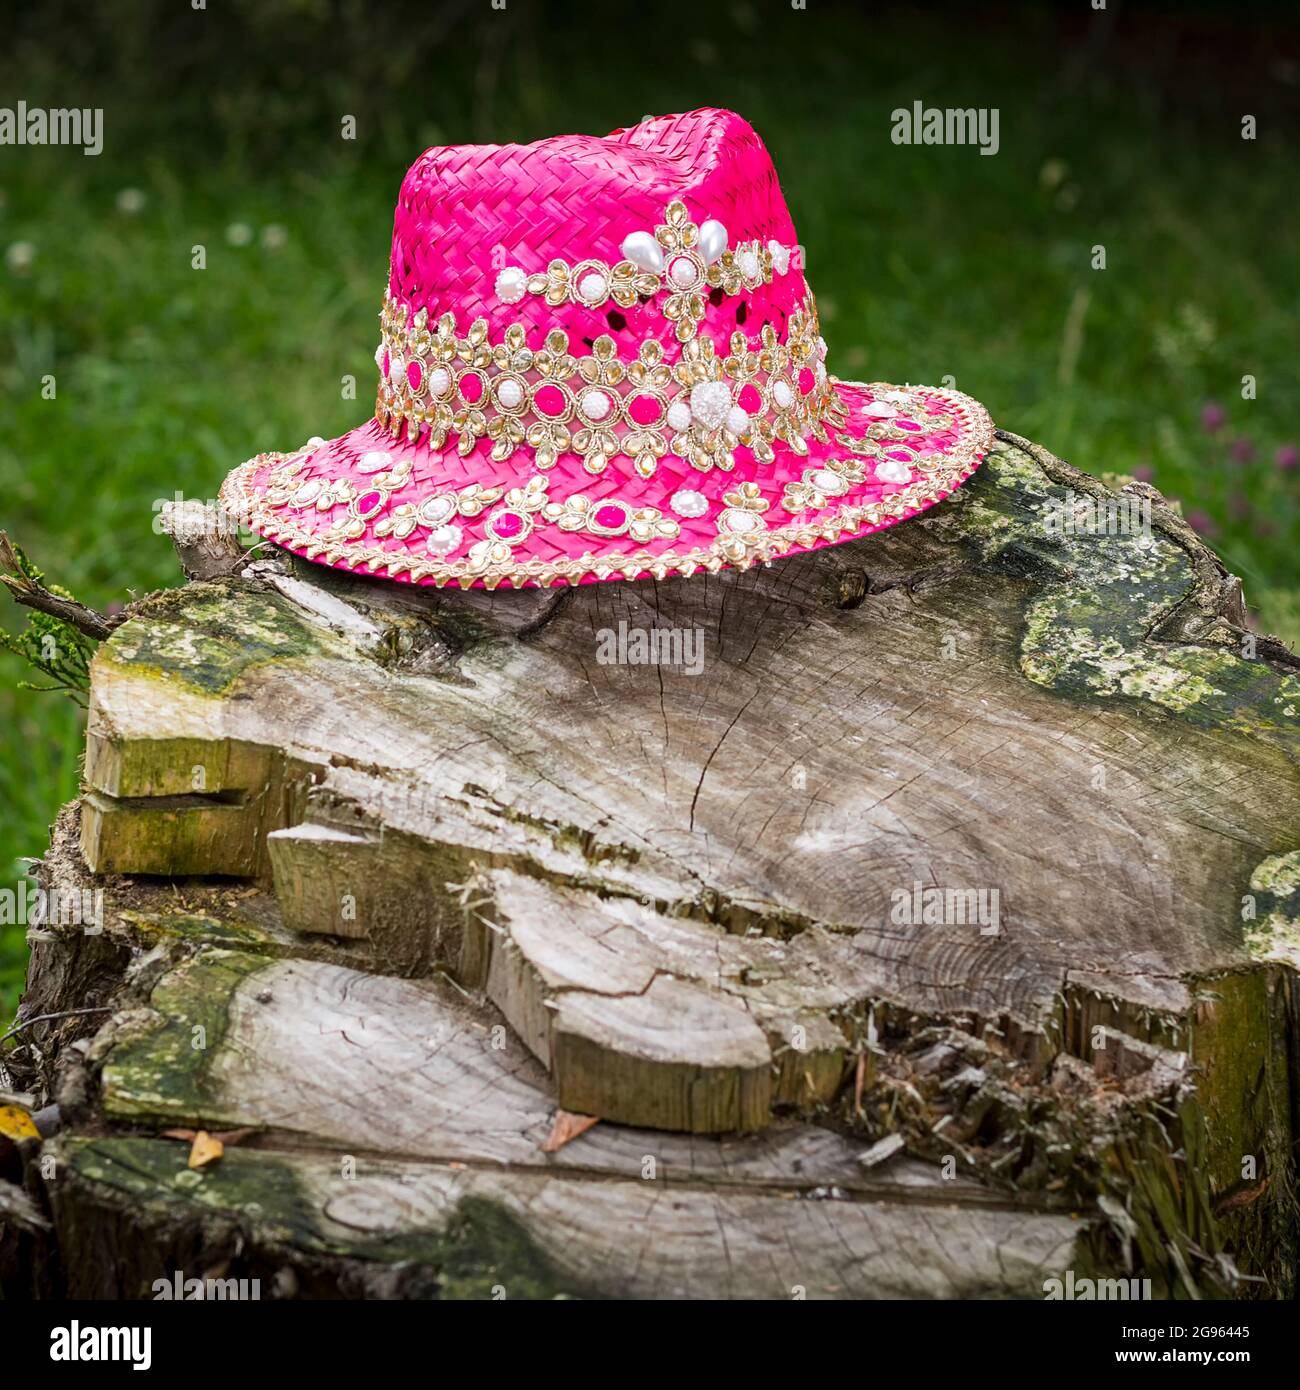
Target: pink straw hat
<point>600,359</point>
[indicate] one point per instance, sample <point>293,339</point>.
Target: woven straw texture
<point>466,211</point>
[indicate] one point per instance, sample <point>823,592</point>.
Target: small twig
<point>32,595</point>
<point>42,1018</point>
<point>68,610</point>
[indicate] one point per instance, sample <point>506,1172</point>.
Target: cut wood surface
<point>446,872</point>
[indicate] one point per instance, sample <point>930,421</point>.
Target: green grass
<point>928,262</point>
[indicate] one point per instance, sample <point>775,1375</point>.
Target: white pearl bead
<point>688,502</point>
<point>713,240</point>
<point>684,272</point>
<point>749,265</point>
<point>315,442</point>
<point>396,370</point>
<point>830,483</point>
<point>373,462</point>
<point>439,381</point>
<point>737,420</point>
<point>444,540</point>
<point>644,252</point>
<point>679,416</point>
<point>893,471</point>
<point>782,394</point>
<point>510,393</point>
<point>511,284</point>
<point>595,405</point>
<point>780,257</point>
<point>592,287</point>
<point>435,510</point>
<point>741,521</point>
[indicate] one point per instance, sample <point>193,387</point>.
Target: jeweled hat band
<point>539,394</point>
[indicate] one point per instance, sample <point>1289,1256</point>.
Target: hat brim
<point>437,516</point>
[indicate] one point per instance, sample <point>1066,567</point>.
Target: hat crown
<point>468,213</point>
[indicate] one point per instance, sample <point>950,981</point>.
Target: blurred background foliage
<point>223,128</point>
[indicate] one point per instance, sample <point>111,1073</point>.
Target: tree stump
<point>936,938</point>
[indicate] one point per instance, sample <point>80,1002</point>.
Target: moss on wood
<point>1097,600</point>
<point>1271,910</point>
<point>161,1069</point>
<point>207,636</point>
<point>478,1251</point>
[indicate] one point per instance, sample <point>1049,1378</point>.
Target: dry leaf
<point>1242,1198</point>
<point>228,1137</point>
<point>205,1149</point>
<point>16,1123</point>
<point>565,1127</point>
<point>231,1137</point>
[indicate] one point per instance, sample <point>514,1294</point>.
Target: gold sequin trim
<point>435,379</point>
